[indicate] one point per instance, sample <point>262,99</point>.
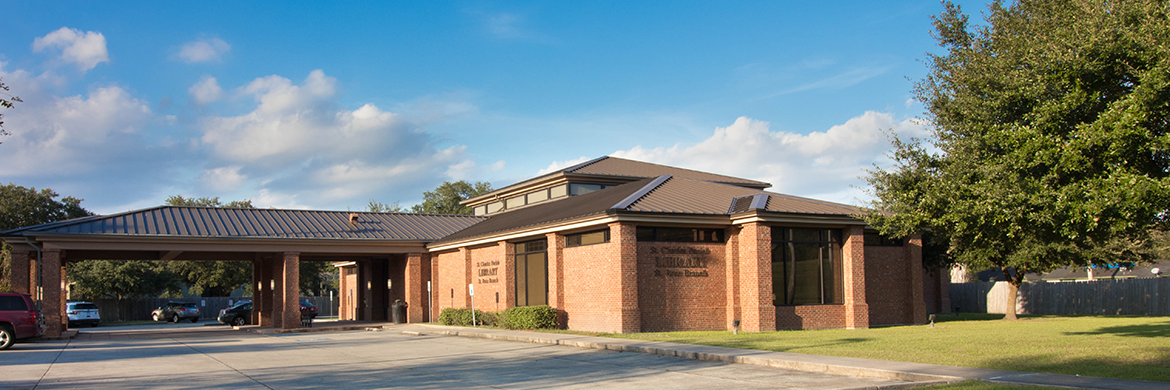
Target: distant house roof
<point>663,194</point>
<point>183,221</point>
<point>619,168</point>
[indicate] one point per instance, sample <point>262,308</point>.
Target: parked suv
<point>19,319</point>
<point>175,312</point>
<point>82,313</point>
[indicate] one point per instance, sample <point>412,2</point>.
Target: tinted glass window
<point>10,302</point>
<point>598,237</point>
<point>85,306</point>
<point>581,189</point>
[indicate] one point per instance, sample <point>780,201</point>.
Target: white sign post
<point>471,292</point>
<point>430,308</point>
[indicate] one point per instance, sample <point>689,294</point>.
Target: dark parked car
<point>19,319</point>
<point>175,312</point>
<point>241,313</point>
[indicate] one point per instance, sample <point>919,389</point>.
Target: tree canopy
<point>445,198</point>
<point>24,206</point>
<point>1049,142</point>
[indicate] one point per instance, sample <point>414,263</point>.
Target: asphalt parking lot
<point>196,356</point>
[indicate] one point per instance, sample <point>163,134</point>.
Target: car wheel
<point>239,321</point>
<point>194,320</point>
<point>154,317</point>
<point>95,324</point>
<point>7,337</point>
<point>175,318</point>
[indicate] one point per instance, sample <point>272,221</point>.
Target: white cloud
<point>307,149</point>
<point>223,179</point>
<point>203,50</point>
<point>84,49</point>
<point>205,91</point>
<point>822,164</point>
<point>559,165</point>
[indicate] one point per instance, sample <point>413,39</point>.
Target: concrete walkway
<point>913,372</point>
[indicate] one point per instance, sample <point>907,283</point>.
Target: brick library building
<point>614,245</point>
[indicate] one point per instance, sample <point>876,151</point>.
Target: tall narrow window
<point>531,273</point>
<point>806,266</point>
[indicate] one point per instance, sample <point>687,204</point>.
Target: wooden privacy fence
<point>114,310</point>
<point>1150,297</point>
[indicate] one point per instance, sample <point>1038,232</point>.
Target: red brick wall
<point>677,298</point>
<point>887,282</point>
<point>450,287</point>
<point>810,317</point>
<point>490,290</point>
<point>591,287</point>
<point>349,295</point>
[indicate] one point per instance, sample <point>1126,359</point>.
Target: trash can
<point>398,311</point>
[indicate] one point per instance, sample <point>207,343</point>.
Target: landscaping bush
<point>462,317</point>
<point>529,317</point>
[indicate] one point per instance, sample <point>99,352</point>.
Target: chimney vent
<point>353,218</point>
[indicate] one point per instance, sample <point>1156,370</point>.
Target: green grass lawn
<point>1104,346</point>
<point>976,385</point>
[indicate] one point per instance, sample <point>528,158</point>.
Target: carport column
<point>263,303</point>
<point>755,278</point>
<point>418,272</point>
<point>18,276</point>
<point>853,270</point>
<point>628,314</point>
<point>257,287</point>
<point>64,295</point>
<point>292,290</point>
<point>51,306</point>
<point>276,269</point>
<point>914,255</point>
<point>731,253</point>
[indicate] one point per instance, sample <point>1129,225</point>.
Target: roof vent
<point>741,204</point>
<point>353,218</point>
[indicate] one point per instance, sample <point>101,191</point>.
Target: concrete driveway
<point>174,355</point>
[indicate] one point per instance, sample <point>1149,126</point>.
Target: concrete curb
<point>697,352</point>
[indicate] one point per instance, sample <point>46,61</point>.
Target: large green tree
<point>445,198</point>
<point>24,206</point>
<point>1049,142</point>
<point>121,279</point>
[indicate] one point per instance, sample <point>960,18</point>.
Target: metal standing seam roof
<point>615,166</point>
<point>182,221</point>
<point>664,194</point>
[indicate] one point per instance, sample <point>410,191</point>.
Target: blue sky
<point>328,106</point>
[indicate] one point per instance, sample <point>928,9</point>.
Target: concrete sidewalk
<point>915,372</point>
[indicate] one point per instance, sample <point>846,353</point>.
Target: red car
<point>19,319</point>
<point>308,310</point>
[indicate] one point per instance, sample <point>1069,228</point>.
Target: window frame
<point>657,236</point>
<point>569,238</point>
<point>830,240</point>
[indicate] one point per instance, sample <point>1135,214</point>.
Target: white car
<point>82,313</point>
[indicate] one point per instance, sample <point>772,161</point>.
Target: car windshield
<point>242,304</point>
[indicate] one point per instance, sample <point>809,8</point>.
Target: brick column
<point>914,255</point>
<point>64,295</point>
<point>755,278</point>
<point>34,279</point>
<point>291,281</point>
<point>417,274</point>
<point>626,313</point>
<point>18,274</point>
<point>342,287</point>
<point>276,269</point>
<point>257,274</point>
<point>51,282</point>
<point>263,302</point>
<point>508,273</point>
<point>853,276</point>
<point>556,275</point>
<point>731,289</point>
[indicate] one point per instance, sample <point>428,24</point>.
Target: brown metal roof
<point>597,202</point>
<point>179,221</point>
<point>615,166</point>
<point>689,196</point>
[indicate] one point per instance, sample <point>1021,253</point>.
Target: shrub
<point>529,317</point>
<point>462,317</point>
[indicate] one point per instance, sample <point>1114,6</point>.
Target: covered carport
<point>388,247</point>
